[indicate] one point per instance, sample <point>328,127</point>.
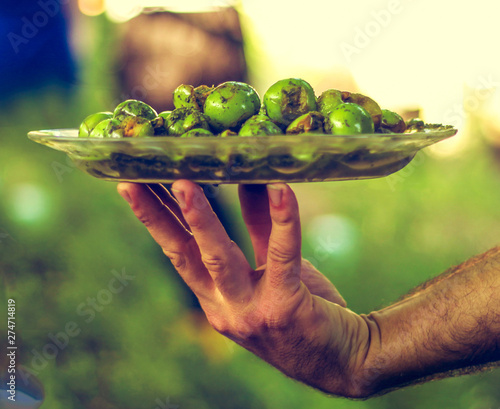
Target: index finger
<point>164,226</point>
<point>166,198</point>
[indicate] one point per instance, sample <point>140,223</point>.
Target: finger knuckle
<point>239,331</point>
<point>217,262</point>
<point>280,253</point>
<point>214,263</point>
<point>146,217</point>
<point>199,221</point>
<point>177,258</point>
<point>242,326</point>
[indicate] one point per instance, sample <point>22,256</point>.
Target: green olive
<point>133,107</point>
<point>159,123</point>
<point>184,96</point>
<point>312,122</point>
<point>260,117</point>
<point>350,119</point>
<point>256,128</point>
<point>102,129</point>
<point>201,93</point>
<point>91,122</point>
<point>184,119</point>
<point>197,132</point>
<point>392,121</point>
<point>288,99</point>
<point>165,114</point>
<point>131,127</point>
<point>230,104</point>
<point>328,100</point>
<point>367,103</point>
<point>415,124</point>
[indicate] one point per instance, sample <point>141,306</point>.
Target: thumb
<point>284,249</point>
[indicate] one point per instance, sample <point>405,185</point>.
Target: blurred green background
<point>96,341</point>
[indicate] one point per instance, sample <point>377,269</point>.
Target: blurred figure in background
<point>160,50</point>
<point>34,48</point>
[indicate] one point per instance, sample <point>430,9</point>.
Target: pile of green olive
<point>289,106</point>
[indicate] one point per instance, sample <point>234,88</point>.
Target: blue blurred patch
<point>34,47</point>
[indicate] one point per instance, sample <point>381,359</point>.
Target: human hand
<point>284,310</point>
<point>255,210</point>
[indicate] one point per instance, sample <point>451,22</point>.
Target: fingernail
<point>274,193</point>
<point>126,196</point>
<point>179,195</point>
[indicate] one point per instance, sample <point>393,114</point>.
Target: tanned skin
<point>290,315</point>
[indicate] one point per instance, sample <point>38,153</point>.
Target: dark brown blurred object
<point>161,50</point>
<point>409,113</point>
<point>489,127</point>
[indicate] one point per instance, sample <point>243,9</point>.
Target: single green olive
<point>415,124</point>
<point>133,107</point>
<point>184,119</point>
<point>256,128</point>
<point>312,122</point>
<point>91,122</point>
<point>288,99</point>
<point>367,103</point>
<point>230,104</point>
<point>159,123</point>
<point>328,100</point>
<point>102,129</point>
<point>201,93</point>
<point>350,119</point>
<point>184,96</point>
<point>260,117</point>
<point>165,114</point>
<point>392,121</point>
<point>131,127</point>
<point>196,132</point>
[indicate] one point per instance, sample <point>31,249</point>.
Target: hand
<point>287,313</point>
<point>284,310</point>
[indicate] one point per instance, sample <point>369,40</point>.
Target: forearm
<point>449,324</point>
